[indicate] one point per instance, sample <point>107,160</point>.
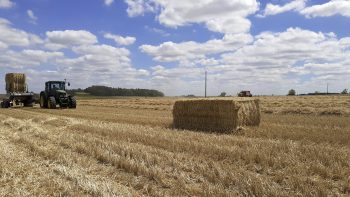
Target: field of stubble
<point>126,147</point>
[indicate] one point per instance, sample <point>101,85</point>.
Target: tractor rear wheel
<point>52,102</point>
<point>72,102</point>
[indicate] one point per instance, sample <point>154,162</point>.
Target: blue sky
<point>268,47</point>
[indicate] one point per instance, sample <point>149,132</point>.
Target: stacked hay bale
<point>215,115</point>
<point>15,82</point>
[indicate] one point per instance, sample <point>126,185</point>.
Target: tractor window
<point>57,86</point>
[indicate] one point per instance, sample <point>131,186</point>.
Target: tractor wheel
<point>72,102</point>
<point>43,102</point>
<point>52,102</point>
<point>5,104</point>
<point>1,104</point>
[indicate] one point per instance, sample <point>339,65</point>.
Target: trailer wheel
<point>52,102</point>
<point>1,104</point>
<point>5,104</point>
<point>42,102</point>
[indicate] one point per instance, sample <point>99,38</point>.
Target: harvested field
<point>126,147</point>
<point>314,105</point>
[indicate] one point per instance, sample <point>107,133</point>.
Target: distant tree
<point>223,94</point>
<point>345,91</point>
<point>109,91</point>
<point>291,92</point>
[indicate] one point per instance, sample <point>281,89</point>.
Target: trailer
<point>245,93</point>
<point>17,91</point>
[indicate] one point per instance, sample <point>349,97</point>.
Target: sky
<point>267,47</point>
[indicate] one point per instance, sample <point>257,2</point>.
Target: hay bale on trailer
<point>15,82</point>
<point>215,115</point>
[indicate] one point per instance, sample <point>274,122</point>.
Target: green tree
<point>291,92</point>
<point>109,91</point>
<point>345,91</point>
<point>223,94</point>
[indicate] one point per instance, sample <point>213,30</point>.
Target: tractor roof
<point>55,82</point>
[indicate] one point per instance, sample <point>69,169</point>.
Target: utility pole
<point>205,88</point>
<point>327,88</point>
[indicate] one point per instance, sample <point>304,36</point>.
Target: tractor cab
<point>55,87</point>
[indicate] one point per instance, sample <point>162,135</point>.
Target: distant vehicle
<point>55,94</point>
<point>245,93</point>
<point>17,91</point>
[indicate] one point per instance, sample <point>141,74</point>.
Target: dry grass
<point>315,105</point>
<point>131,151</point>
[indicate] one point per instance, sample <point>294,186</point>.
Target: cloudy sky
<point>268,47</point>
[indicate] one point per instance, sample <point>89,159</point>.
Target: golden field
<point>127,147</point>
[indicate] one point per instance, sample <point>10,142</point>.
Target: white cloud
<point>15,37</point>
<point>84,60</point>
<point>108,2</point>
<point>170,51</point>
<point>102,64</point>
<point>39,56</point>
<point>225,16</point>
<point>27,58</point>
<point>333,7</point>
<point>268,64</point>
<point>120,40</point>
<point>32,17</point>
<point>6,4</point>
<point>65,39</point>
<point>157,31</point>
<point>272,9</point>
<point>139,7</point>
<point>3,45</point>
<point>92,64</point>
<point>271,62</point>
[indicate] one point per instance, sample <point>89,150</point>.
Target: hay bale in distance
<point>215,115</point>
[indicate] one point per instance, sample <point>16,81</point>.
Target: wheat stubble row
<point>154,160</point>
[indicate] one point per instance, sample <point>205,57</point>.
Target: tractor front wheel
<point>72,102</point>
<point>52,102</point>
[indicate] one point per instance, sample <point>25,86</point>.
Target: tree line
<point>292,92</point>
<point>109,91</point>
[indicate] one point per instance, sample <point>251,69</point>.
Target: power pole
<point>327,88</point>
<point>205,90</point>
